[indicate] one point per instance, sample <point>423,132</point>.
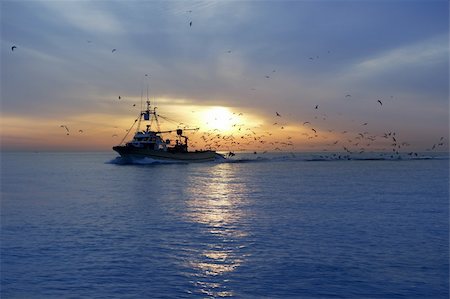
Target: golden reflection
<point>219,207</point>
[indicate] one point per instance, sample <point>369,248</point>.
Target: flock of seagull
<point>265,140</point>
<point>261,140</point>
<point>340,145</point>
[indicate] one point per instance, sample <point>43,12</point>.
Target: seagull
<point>113,50</point>
<point>348,96</point>
<point>231,154</point>
<point>120,97</point>
<point>190,24</point>
<point>13,47</point>
<point>306,122</point>
<point>65,127</point>
<point>80,131</point>
<point>380,102</point>
<point>278,114</point>
<point>317,107</point>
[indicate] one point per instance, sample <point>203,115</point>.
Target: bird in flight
<point>380,102</point>
<point>113,50</point>
<point>278,114</point>
<point>317,107</point>
<point>190,24</point>
<point>13,47</point>
<point>65,127</point>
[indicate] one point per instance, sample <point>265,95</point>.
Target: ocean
<point>297,225</point>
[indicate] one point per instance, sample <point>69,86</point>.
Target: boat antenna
<point>142,96</point>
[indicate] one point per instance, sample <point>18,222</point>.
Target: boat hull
<point>134,152</point>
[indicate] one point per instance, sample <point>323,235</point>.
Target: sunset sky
<point>340,74</point>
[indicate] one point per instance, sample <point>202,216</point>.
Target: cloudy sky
<point>343,68</point>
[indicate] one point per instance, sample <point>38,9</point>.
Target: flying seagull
<point>190,24</point>
<point>13,47</point>
<point>113,50</point>
<point>278,114</point>
<point>380,102</point>
<point>65,127</point>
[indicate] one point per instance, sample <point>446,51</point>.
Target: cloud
<point>64,65</point>
<point>429,52</point>
<point>84,15</point>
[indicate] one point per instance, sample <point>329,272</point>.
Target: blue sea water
<point>87,225</point>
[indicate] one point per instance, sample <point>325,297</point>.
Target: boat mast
<point>150,115</point>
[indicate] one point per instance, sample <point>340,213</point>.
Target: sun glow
<point>219,118</point>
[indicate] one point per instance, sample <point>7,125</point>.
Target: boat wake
<point>141,161</point>
<point>315,157</point>
<point>292,157</point>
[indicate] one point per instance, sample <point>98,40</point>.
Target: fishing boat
<point>149,143</point>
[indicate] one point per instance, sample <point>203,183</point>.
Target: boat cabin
<point>148,140</point>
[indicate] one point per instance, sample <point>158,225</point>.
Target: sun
<point>219,118</point>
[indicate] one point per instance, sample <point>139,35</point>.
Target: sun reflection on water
<point>219,208</point>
